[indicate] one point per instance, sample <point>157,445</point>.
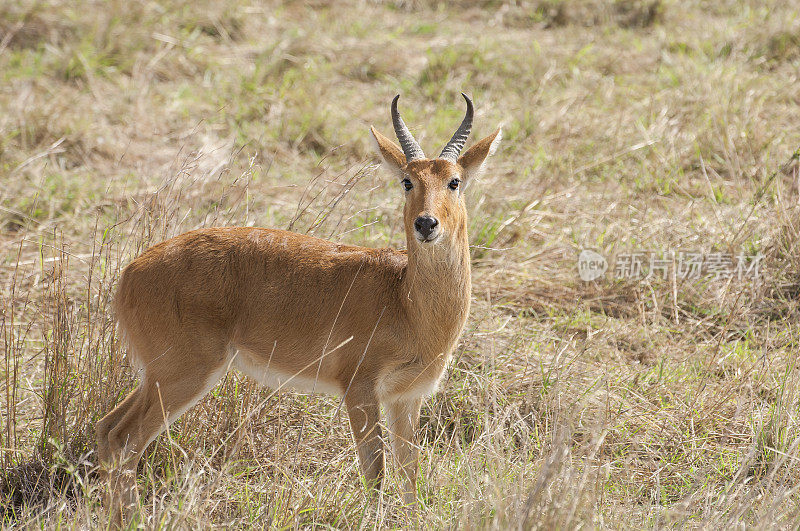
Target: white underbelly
<point>279,380</point>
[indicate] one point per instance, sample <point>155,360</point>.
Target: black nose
<point>425,225</point>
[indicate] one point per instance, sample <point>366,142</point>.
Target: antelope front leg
<point>364,411</point>
<point>402,421</point>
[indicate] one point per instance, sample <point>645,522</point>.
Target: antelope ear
<point>472,162</point>
<point>390,152</point>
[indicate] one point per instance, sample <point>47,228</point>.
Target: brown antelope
<point>376,326</point>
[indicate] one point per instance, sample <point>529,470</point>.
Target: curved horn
<point>453,148</point>
<point>410,146</point>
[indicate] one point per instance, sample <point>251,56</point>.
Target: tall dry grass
<point>629,126</point>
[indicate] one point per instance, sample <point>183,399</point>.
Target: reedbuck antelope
<point>376,326</point>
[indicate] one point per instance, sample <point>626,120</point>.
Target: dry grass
<point>629,125</point>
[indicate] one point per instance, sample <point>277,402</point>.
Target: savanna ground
<point>629,125</point>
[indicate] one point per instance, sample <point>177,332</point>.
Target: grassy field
<point>628,126</point>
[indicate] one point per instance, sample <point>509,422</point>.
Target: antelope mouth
<point>430,240</point>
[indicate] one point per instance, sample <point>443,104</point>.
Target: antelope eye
<point>454,184</point>
<point>407,184</point>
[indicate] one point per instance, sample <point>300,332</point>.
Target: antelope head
<point>434,213</point>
